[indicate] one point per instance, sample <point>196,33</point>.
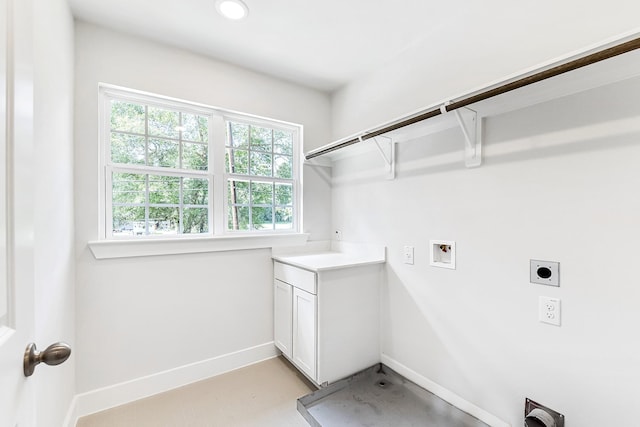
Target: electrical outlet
<point>549,310</point>
<point>338,235</point>
<point>408,255</point>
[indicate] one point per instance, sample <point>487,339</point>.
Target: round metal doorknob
<point>55,354</point>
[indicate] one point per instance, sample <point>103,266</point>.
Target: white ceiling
<point>326,44</point>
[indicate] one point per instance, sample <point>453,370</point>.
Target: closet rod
<point>516,84</point>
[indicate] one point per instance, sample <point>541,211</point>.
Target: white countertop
<point>339,256</point>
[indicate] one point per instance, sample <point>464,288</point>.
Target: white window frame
<point>295,181</point>
<point>216,174</point>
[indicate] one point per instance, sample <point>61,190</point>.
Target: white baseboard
<point>443,393</point>
<point>119,394</point>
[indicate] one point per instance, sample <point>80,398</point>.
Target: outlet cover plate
<point>544,272</point>
<point>408,255</point>
<point>549,310</point>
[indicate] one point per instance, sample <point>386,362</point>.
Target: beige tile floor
<point>260,395</point>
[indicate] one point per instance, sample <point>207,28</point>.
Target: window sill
<point>108,249</point>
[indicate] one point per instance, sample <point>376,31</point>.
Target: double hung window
<point>172,168</point>
<point>260,179</point>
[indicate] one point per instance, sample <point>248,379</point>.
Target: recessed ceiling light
<point>232,9</point>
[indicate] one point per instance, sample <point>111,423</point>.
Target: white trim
<point>154,170</point>
<point>153,100</point>
<point>217,162</point>
<point>259,121</point>
<point>121,91</point>
<point>118,394</point>
<point>72,413</point>
<point>107,249</point>
<point>5,333</point>
<point>443,393</point>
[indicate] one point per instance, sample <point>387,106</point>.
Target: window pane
<point>163,122</point>
<point>164,220</point>
<point>260,164</point>
<point>260,138</point>
<point>195,128</point>
<point>238,218</point>
<point>238,192</point>
<point>239,135</point>
<point>163,153</point>
<point>237,161</point>
<point>127,149</point>
<point>195,220</point>
<point>195,191</point>
<point>283,166</point>
<point>262,218</point>
<point>195,156</point>
<point>284,194</point>
<point>129,188</point>
<point>127,117</point>
<point>161,225</point>
<point>164,189</point>
<point>284,218</point>
<point>261,193</point>
<point>128,220</point>
<point>282,142</point>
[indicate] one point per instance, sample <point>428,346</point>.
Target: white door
<point>282,316</point>
<point>16,212</point>
<point>304,331</point>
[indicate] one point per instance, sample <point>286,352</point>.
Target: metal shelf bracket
<point>471,127</point>
<point>388,154</point>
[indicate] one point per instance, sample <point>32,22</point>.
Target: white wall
<point>140,316</point>
<point>54,267</point>
<point>559,182</point>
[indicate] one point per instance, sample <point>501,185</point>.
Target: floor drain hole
<point>382,383</point>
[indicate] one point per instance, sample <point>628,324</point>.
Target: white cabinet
<point>327,322</point>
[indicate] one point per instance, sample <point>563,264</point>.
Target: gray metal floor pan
<point>380,397</point>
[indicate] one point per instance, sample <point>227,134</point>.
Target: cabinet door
<point>283,317</point>
<point>304,331</point>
